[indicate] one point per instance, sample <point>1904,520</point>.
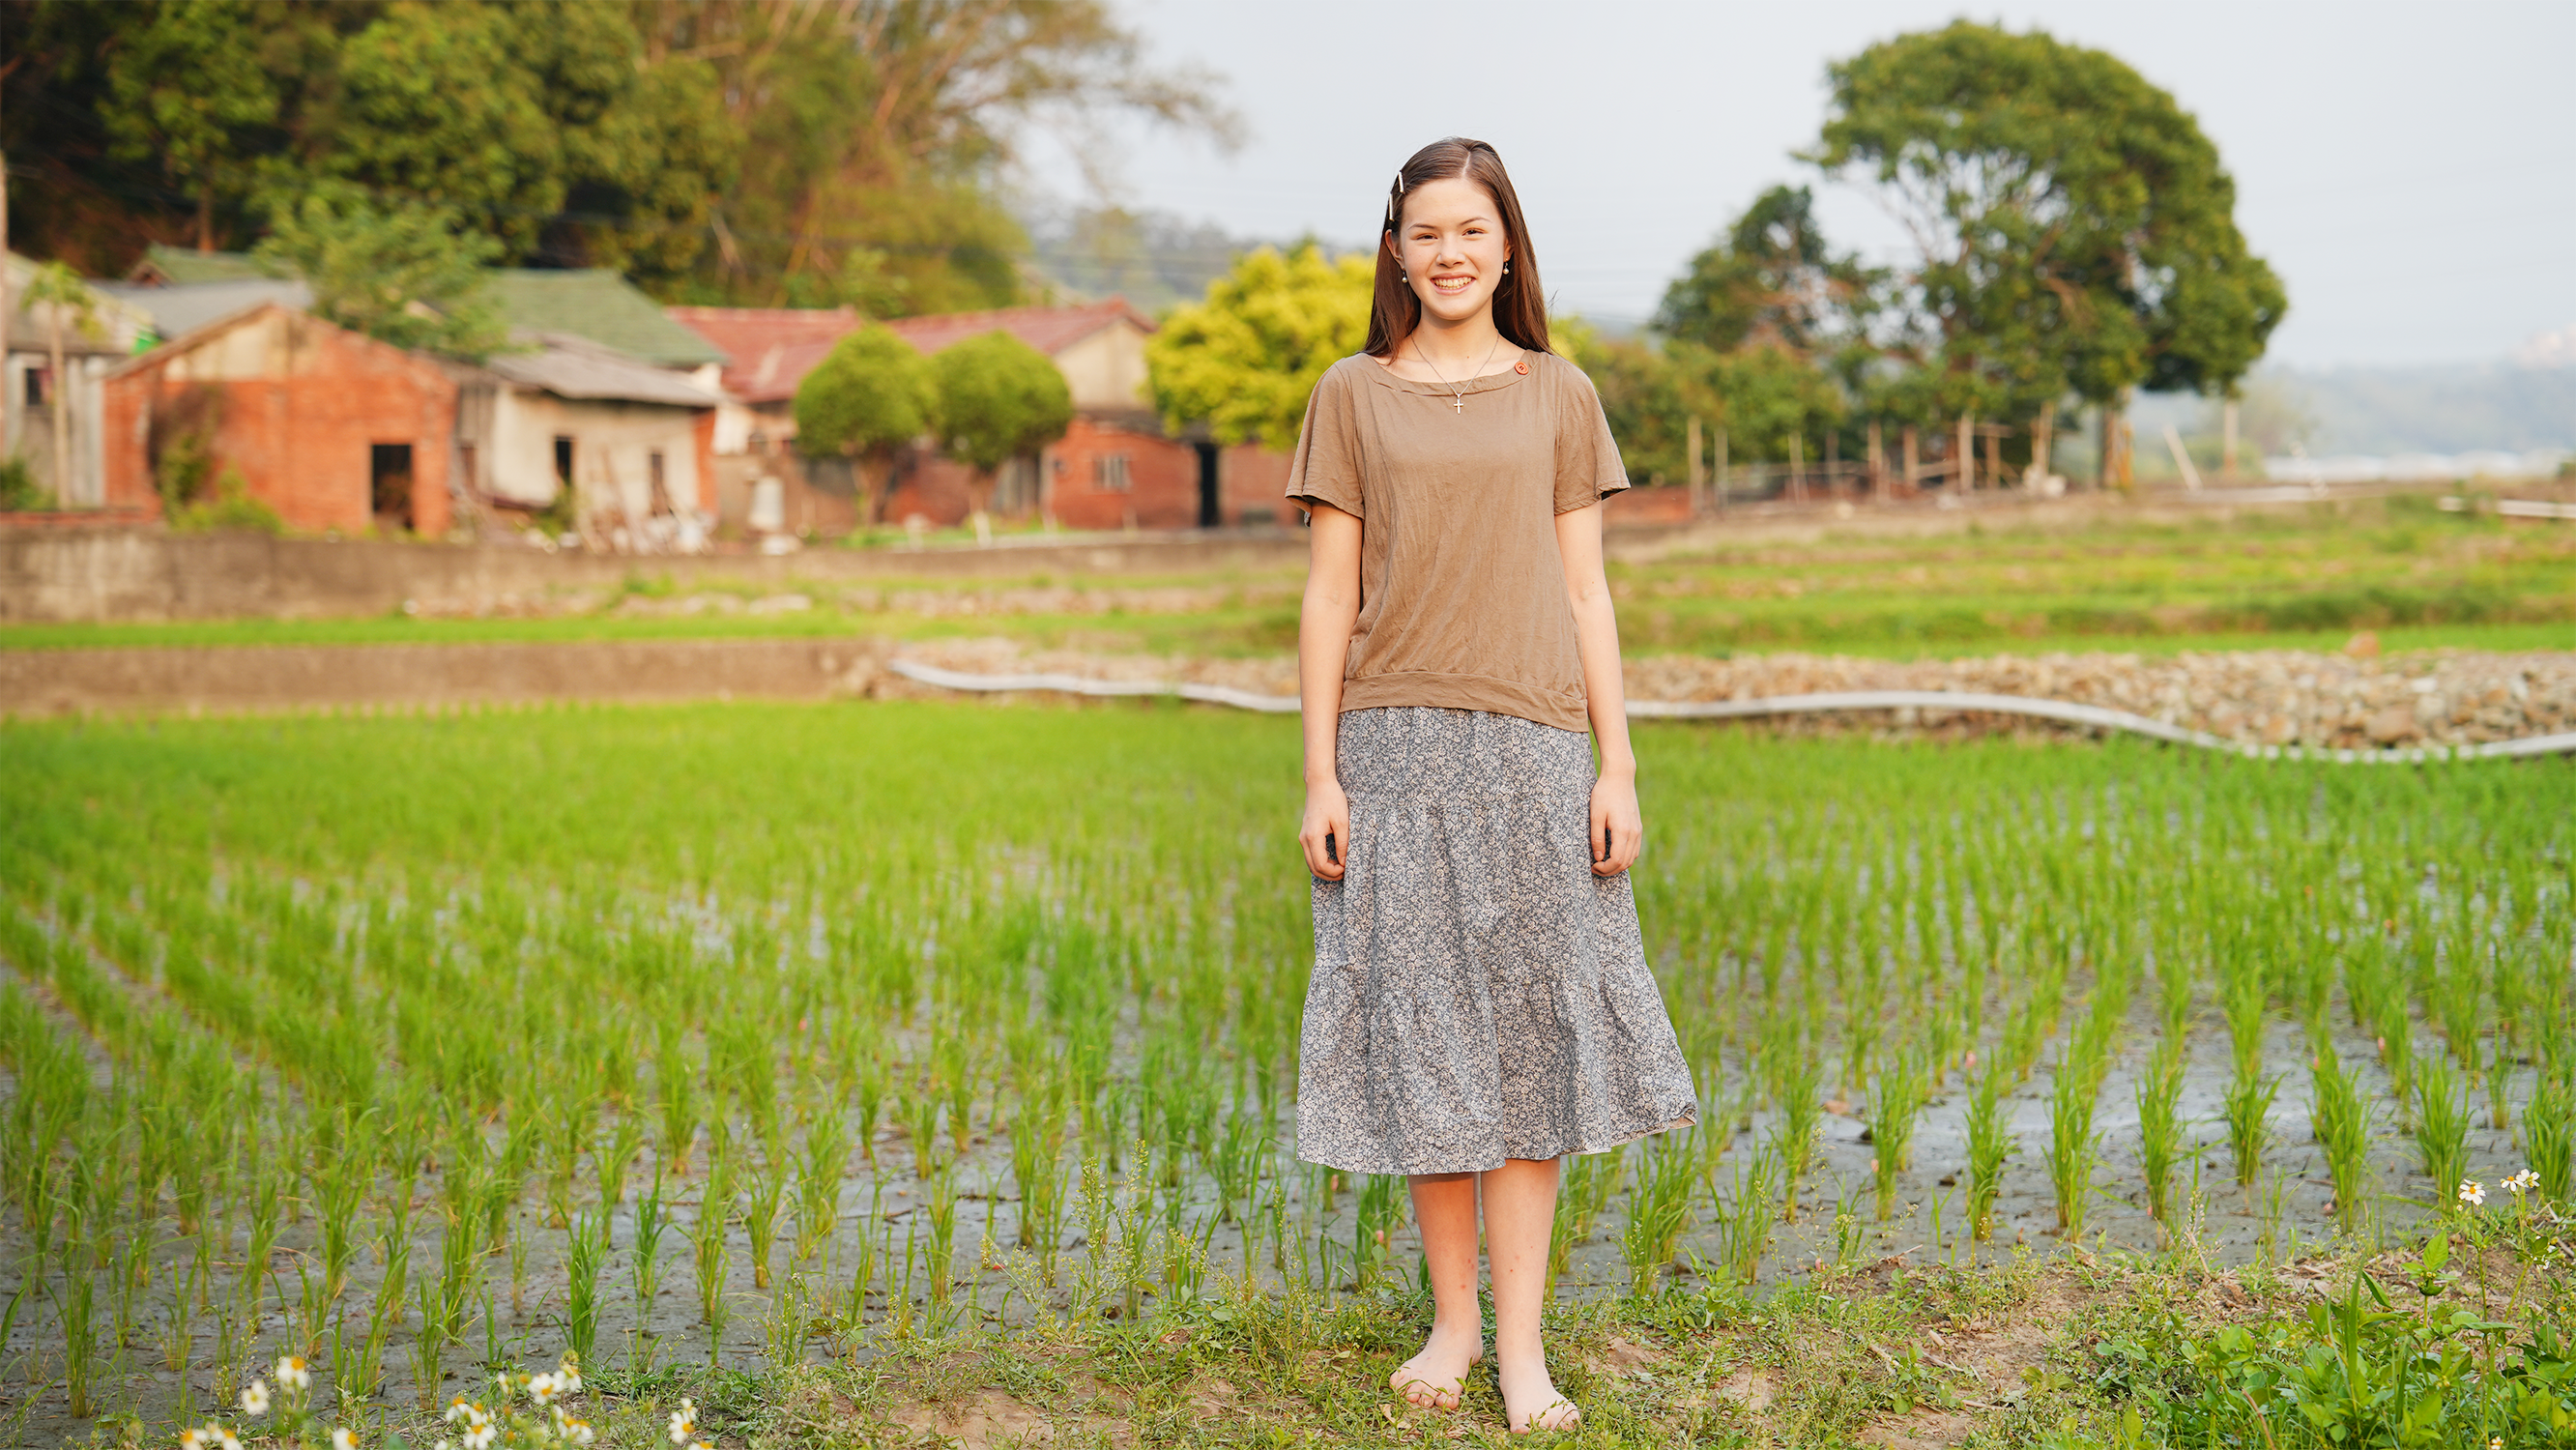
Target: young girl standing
<point>1480,1004</point>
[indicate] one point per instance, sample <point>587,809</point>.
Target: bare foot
<point>1530,1400</point>
<point>1435,1378</point>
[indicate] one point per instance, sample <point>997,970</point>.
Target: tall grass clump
<point>2340,1118</point>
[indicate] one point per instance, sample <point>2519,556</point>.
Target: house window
<point>563,460</point>
<point>36,379</point>
<point>661,490</point>
<point>1109,473</point>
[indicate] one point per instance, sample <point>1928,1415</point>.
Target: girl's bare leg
<point>1520,1207</point>
<point>1444,1207</point>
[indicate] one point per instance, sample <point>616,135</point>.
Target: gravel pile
<point>2268,697</point>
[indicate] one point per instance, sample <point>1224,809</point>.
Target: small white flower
<point>481,1436</point>
<point>2472,1192</point>
<point>254,1400</point>
<point>344,1438</point>
<point>193,1438</point>
<point>2523,1182</point>
<point>542,1388</point>
<point>684,1422</point>
<point>293,1373</point>
<point>226,1438</point>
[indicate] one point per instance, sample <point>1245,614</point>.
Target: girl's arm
<point>1617,830</point>
<point>1323,652</point>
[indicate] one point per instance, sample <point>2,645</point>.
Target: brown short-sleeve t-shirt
<point>1462,595</point>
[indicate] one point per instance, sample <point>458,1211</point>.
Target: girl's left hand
<point>1614,811</point>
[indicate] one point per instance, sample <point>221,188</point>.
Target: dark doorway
<point>389,484</point>
<point>1211,495</point>
<point>563,460</point>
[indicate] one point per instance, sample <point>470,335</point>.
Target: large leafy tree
<point>1245,358</point>
<point>409,275</point>
<point>871,395</point>
<point>2074,229</point>
<point>999,399</point>
<point>192,98</point>
<point>1770,280</point>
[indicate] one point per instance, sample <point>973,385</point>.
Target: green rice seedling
<point>2159,1102</point>
<point>77,1305</point>
<point>863,1272</point>
<point>2341,1122</point>
<point>2442,1128</point>
<point>625,1142</point>
<point>868,1096</point>
<point>818,1182</point>
<point>1658,1210</point>
<point>921,1127</point>
<point>2241,995</point>
<point>1989,1146</point>
<point>2498,1076</point>
<point>707,1240</point>
<point>644,1264</point>
<point>2072,1150</point>
<point>2248,1111</point>
<point>1895,1100</point>
<point>583,1255</point>
<point>941,1208</point>
<point>760,1217</point>
<point>2549,1126</point>
<point>1241,1148</point>
<point>675,1085</point>
<point>1744,1213</point>
<point>1800,1093</point>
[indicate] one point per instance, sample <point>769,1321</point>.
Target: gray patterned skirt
<point>1478,993</point>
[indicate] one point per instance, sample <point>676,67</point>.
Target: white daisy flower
<point>2472,1192</point>
<point>254,1400</point>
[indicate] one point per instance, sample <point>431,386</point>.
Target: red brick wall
<point>297,420</point>
<point>1665,505</point>
<point>1252,484</point>
<point>1162,480</point>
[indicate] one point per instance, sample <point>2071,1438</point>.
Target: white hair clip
<point>1399,183</point>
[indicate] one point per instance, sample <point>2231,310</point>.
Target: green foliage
<point>1246,357</point>
<point>232,507</point>
<point>191,93</point>
<point>999,399</point>
<point>20,492</point>
<point>1770,280</point>
<point>407,275</point>
<point>2077,228</point>
<point>871,394</point>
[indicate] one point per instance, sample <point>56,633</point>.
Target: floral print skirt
<point>1478,994</point>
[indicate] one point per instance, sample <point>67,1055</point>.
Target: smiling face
<point>1452,246</point>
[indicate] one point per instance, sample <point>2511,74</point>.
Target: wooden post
<point>1697,479</point>
<point>1994,455</point>
<point>1721,468</point>
<point>1833,460</point>
<point>1877,463</point>
<point>1965,474</point>
<point>2039,441</point>
<point>2227,434</point>
<point>1913,450</point>
<point>2105,468</point>
<point>1797,469</point>
<point>2182,459</point>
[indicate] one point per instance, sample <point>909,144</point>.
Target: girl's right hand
<point>1328,811</point>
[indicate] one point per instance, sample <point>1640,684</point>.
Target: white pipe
<point>1958,701</point>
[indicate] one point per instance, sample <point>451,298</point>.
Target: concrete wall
<point>295,405</point>
<point>69,574</point>
<point>31,427</point>
<point>613,445</point>
<point>1107,369</point>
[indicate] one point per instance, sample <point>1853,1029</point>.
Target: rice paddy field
<point>727,1047</point>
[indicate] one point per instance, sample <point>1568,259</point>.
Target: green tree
<point>999,399</point>
<point>871,395</point>
<point>189,89</point>
<point>1246,358</point>
<point>2076,230</point>
<point>1771,280</point>
<point>411,276</point>
<point>69,305</point>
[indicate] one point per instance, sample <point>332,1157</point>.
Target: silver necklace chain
<point>1457,391</point>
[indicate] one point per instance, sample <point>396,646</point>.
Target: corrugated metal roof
<point>575,367</point>
<point>186,306</point>
<point>185,267</point>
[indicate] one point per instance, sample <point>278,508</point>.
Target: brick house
<point>332,429</point>
<point>1116,467</point>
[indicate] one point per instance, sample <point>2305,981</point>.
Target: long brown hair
<point>1520,305</point>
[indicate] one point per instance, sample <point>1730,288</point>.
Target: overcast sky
<point>2409,170</point>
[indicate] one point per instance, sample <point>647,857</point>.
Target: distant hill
<point>1155,260</point>
<point>2386,411</point>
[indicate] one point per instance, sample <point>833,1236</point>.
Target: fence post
<point>1913,455</point>
<point>1797,469</point>
<point>1965,475</point>
<point>2040,438</point>
<point>1721,468</point>
<point>1877,464</point>
<point>1697,479</point>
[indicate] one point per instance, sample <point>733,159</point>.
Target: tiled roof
<point>1048,329</point>
<point>183,307</point>
<point>772,348</point>
<point>602,306</point>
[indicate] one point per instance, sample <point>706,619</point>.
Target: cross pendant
<point>1457,403</point>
